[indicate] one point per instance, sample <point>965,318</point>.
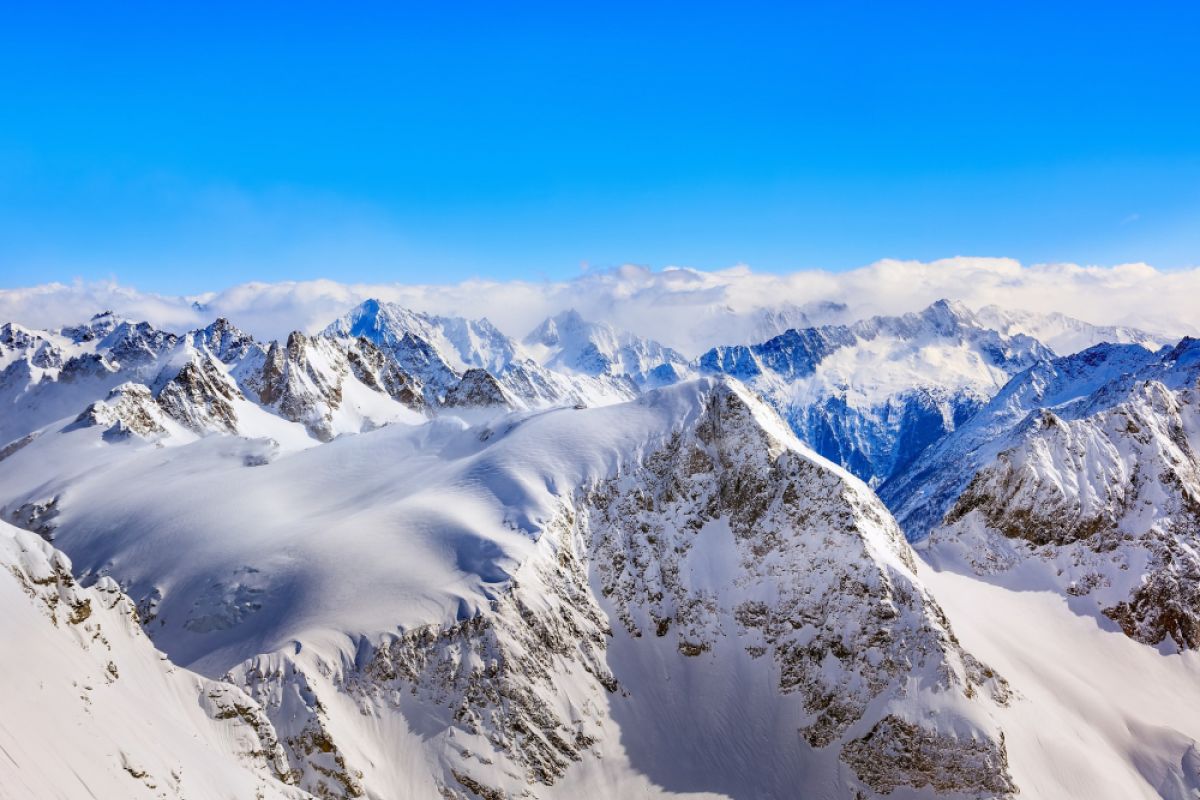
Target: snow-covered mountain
<point>567,342</point>
<point>873,395</point>
<point>410,556</point>
<point>1082,476</point>
<point>1065,335</point>
<point>217,379</point>
<point>440,351</point>
<point>536,606</point>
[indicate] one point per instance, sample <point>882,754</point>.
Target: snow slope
<point>92,709</point>
<point>413,557</point>
<point>1096,715</point>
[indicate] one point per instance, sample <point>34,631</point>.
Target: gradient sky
<point>186,149</point>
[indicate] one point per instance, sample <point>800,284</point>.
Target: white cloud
<point>689,309</point>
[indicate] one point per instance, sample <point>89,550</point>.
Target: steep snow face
<point>537,604</point>
<point>1097,496</point>
<point>1065,335</point>
<point>873,395</point>
<point>922,494</point>
<point>569,343</point>
<point>92,709</point>
<point>461,343</point>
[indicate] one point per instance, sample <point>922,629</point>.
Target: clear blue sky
<point>189,149</point>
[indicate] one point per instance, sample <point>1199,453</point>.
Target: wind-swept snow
<point>1096,715</point>
<point>92,709</point>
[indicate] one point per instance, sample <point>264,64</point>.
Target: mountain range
<point>951,553</point>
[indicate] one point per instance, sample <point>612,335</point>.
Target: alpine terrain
<point>949,554</point>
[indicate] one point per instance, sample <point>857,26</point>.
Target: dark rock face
<point>896,753</point>
<point>291,383</point>
<point>200,397</point>
<point>304,380</point>
<point>1166,606</point>
<point>477,389</point>
<point>799,529</point>
<point>375,370</point>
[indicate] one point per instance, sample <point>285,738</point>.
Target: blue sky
<point>185,149</point>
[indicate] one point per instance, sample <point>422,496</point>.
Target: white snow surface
<point>1098,716</point>
<point>92,710</point>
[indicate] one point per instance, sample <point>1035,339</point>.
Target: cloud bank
<point>685,308</point>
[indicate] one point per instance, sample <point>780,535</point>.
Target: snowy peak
<point>1082,475</point>
<point>460,342</point>
<point>99,326</point>
<point>948,316</point>
<point>440,351</point>
<point>570,343</point>
<point>225,340</point>
<point>923,494</point>
<point>1063,334</point>
<point>550,332</point>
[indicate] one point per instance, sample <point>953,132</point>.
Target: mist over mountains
<point>688,309</point>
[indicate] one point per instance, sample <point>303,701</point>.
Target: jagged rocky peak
<point>332,385</point>
<point>201,395</point>
<point>302,380</point>
<point>815,575</point>
<point>129,410</point>
<point>99,326</point>
<point>225,340</point>
<point>132,344</point>
<point>438,351</point>
<point>1095,489</point>
<point>18,337</point>
<point>478,388</point>
<point>377,371</point>
<point>18,343</point>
